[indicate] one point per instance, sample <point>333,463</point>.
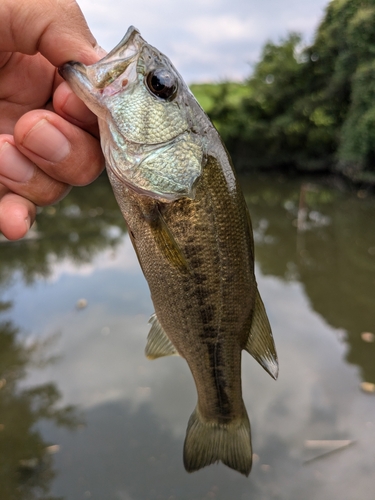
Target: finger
<point>62,150</point>
<point>56,29</point>
<point>16,215</point>
<point>25,84</point>
<point>23,177</point>
<point>70,107</point>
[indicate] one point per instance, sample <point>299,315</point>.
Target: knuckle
<point>52,193</point>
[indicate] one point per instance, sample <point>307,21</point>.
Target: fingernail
<point>47,142</point>
<point>13,165</point>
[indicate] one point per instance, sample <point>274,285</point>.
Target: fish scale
<point>133,115</point>
<point>190,227</point>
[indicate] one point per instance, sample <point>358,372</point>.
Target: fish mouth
<point>105,71</point>
<point>86,80</point>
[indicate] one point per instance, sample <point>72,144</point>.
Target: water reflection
<point>331,251</point>
<point>26,464</point>
<point>315,251</point>
<point>77,228</point>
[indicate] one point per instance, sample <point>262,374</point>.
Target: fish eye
<point>162,83</point>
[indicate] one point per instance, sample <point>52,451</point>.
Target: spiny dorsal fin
<point>208,442</point>
<point>158,343</point>
<point>260,343</point>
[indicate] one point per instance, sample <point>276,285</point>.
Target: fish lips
<point>101,77</point>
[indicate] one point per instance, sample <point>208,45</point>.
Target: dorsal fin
<point>260,343</point>
<point>158,343</point>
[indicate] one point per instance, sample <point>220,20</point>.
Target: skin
<point>48,137</point>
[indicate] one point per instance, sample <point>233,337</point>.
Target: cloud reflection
<point>137,410</point>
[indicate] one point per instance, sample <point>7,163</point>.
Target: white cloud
<point>222,29</point>
<point>206,40</point>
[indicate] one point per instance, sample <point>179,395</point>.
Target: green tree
<point>309,108</point>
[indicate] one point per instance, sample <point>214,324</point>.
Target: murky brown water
<point>84,415</point>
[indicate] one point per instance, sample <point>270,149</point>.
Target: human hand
<point>48,138</point>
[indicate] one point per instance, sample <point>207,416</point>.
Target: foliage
<point>209,94</point>
<point>311,108</point>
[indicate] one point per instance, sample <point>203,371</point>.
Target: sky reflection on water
<point>128,415</point>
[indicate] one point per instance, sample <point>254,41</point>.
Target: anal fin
<point>158,343</point>
<point>260,343</point>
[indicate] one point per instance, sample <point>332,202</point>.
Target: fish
<point>191,230</point>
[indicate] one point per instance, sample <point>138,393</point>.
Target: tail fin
<point>208,442</point>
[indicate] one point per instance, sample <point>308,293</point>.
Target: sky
<point>207,40</point>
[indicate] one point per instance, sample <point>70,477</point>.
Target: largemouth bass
<point>191,230</point>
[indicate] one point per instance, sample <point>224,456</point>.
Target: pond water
<point>83,414</point>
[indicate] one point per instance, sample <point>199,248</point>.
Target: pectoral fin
<point>158,343</point>
<point>167,243</point>
<point>260,343</point>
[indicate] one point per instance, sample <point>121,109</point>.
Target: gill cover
<point>146,125</point>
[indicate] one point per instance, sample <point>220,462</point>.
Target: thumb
<point>57,29</point>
